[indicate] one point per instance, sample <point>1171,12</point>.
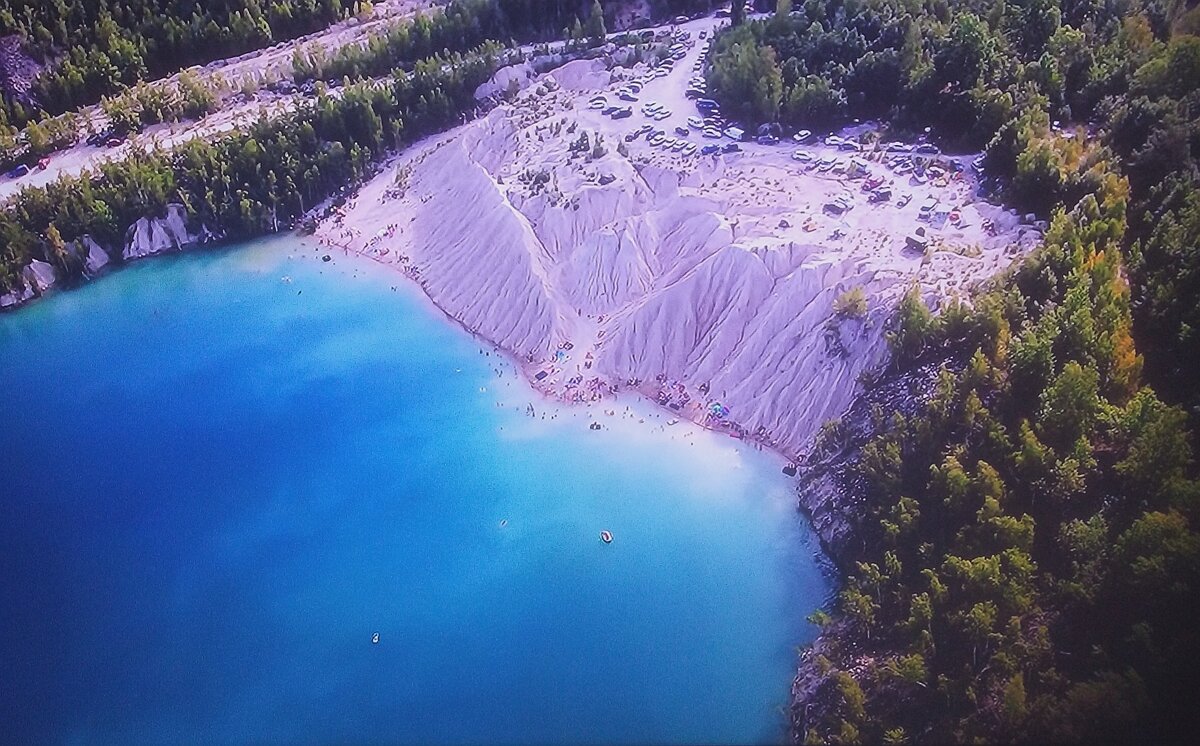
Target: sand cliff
<point>706,282</point>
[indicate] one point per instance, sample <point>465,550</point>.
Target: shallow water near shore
<point>225,472</point>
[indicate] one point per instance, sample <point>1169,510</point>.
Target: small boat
<point>606,537</point>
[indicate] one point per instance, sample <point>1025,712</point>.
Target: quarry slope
<point>707,282</point>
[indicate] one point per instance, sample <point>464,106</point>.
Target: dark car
<point>710,149</point>
<point>768,140</point>
<point>926,149</point>
<point>731,147</point>
<point>622,113</point>
<point>19,171</point>
<point>706,104</point>
<point>682,131</point>
<point>607,110</point>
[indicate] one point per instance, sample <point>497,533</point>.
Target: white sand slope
<point>693,279</point>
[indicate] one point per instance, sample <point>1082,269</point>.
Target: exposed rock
<point>149,236</point>
<point>16,297</point>
<point>96,258</point>
<point>39,275</point>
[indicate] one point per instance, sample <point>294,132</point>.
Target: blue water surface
<point>223,473</point>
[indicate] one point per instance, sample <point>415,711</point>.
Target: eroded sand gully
<point>705,282</point>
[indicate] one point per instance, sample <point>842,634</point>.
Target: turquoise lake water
<point>224,472</point>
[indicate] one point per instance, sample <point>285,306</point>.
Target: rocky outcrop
<point>95,258</point>
<point>16,297</point>
<point>37,278</point>
<point>146,237</point>
<point>149,236</point>
<point>39,275</point>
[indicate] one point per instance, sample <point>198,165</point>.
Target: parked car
<point>44,163</point>
<point>904,200</point>
<point>731,147</point>
<point>767,140</point>
<point>18,171</point>
<point>926,149</point>
<point>802,136</point>
<point>710,149</point>
<point>114,141</point>
<point>681,131</point>
<point>695,123</point>
<point>926,210</point>
<point>850,145</point>
<point>803,156</point>
<point>622,113</point>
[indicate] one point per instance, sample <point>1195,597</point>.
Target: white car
<point>656,139</point>
<point>803,156</point>
<point>695,123</point>
<point>712,132</point>
<point>661,115</point>
<point>689,149</point>
<point>802,136</point>
<point>834,141</point>
<point>679,145</point>
<point>597,103</point>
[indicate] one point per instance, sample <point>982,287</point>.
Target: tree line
<point>98,47</point>
<point>247,183</point>
<point>1030,558</point>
